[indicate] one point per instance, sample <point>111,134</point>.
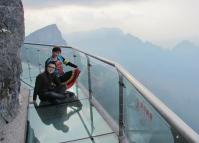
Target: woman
<point>48,86</point>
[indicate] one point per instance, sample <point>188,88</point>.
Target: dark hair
<point>56,49</point>
<point>51,62</point>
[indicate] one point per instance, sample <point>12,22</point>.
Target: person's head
<point>50,67</point>
<point>56,51</point>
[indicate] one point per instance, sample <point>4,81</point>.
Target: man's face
<point>51,68</point>
<point>55,54</point>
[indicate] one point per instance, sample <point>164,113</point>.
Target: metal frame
<point>186,131</point>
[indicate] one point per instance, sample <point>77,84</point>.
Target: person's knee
<point>61,88</point>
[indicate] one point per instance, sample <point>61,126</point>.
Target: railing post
<point>75,62</point>
<point>39,60</point>
<point>28,62</point>
<point>89,77</point>
<point>90,92</point>
<point>121,108</point>
<point>29,70</point>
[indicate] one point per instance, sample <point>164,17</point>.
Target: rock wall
<point>11,40</point>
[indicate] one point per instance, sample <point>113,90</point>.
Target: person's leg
<point>60,89</point>
<point>70,77</point>
<point>73,100</point>
<point>66,76</point>
<point>54,97</point>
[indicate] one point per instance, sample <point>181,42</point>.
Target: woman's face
<point>51,68</point>
<point>55,54</point>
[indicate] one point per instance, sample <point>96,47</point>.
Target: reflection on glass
<point>51,123</point>
<point>68,54</point>
<point>105,87</point>
<point>143,124</point>
<point>81,62</point>
<point>33,61</point>
<point>35,55</point>
<point>65,122</point>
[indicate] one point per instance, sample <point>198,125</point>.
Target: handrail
<point>186,131</point>
<point>68,47</point>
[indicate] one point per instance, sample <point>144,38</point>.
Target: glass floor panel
<point>108,138</point>
<point>66,122</point>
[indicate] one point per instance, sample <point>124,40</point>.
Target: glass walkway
<point>110,105</point>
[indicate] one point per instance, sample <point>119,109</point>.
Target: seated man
<point>48,86</point>
<point>69,77</point>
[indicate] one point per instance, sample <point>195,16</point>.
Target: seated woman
<point>48,86</point>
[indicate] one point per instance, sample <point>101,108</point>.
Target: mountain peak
<point>50,26</point>
<point>47,35</point>
<point>185,44</point>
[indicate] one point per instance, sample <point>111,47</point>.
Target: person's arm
<point>67,62</point>
<point>72,65</point>
<point>56,80</point>
<point>36,89</point>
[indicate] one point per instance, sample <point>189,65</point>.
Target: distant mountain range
<point>172,74</point>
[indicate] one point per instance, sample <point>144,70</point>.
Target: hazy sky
<point>163,22</point>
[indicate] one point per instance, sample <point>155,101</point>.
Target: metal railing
<point>187,132</point>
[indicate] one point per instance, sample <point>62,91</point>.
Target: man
<point>69,77</point>
<point>48,86</point>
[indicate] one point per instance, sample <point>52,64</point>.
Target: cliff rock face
<point>11,40</point>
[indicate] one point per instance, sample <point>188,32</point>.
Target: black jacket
<point>45,82</point>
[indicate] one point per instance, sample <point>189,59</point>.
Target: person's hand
<point>34,102</point>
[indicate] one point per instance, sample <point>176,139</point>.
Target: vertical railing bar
<point>28,62</point>
<point>121,108</point>
<point>39,60</point>
<point>27,122</point>
<point>89,77</point>
<point>90,91</point>
<point>75,62</point>
<point>29,70</point>
<point>91,115</point>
